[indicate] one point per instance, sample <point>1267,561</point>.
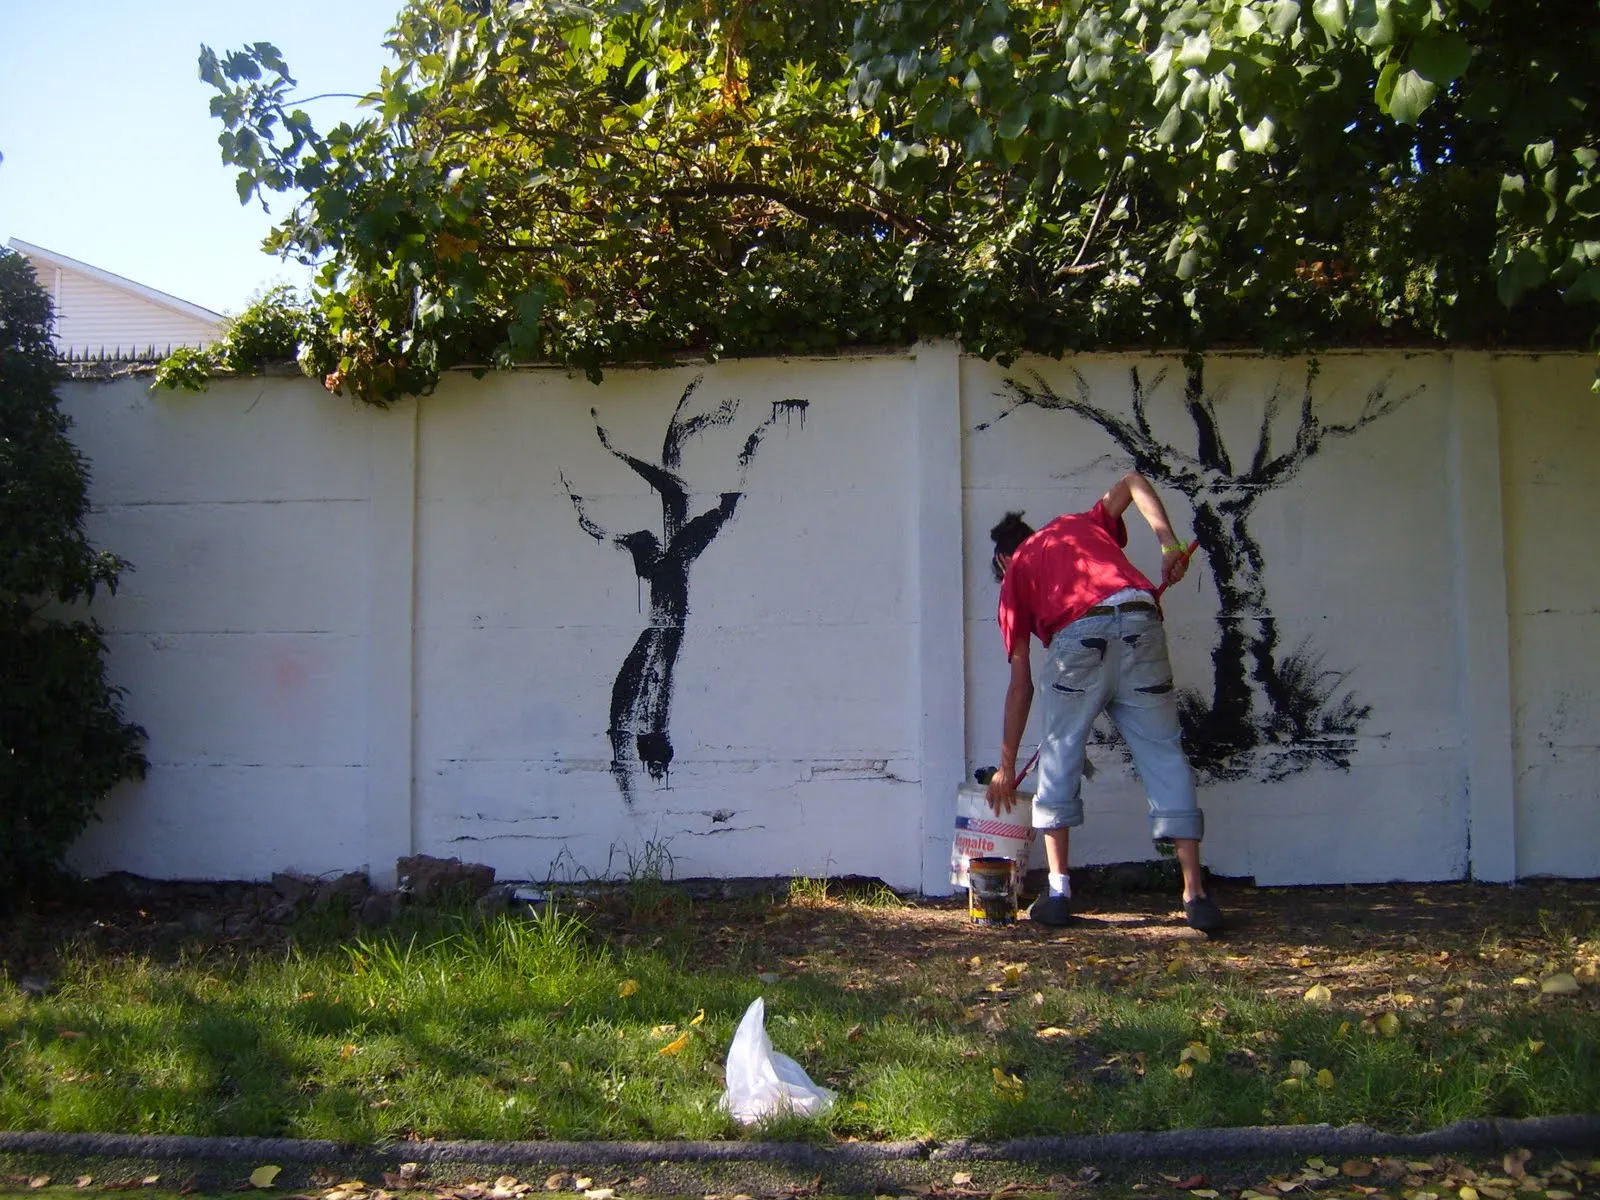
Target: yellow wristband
<point>1178,546</point>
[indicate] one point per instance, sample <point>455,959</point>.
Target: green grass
<point>448,1026</point>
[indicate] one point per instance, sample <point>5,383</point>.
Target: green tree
<point>63,740</point>
<point>637,179</point>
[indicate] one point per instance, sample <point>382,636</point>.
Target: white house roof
<point>151,294</point>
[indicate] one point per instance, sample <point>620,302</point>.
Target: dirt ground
<point>1387,944</point>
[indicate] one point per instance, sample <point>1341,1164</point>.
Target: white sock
<point>1060,885</point>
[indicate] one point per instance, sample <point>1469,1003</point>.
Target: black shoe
<point>1203,914</point>
<point>1051,910</point>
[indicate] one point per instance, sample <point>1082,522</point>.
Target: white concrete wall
<point>241,634</point>
<point>1550,448</point>
<point>354,634</point>
<point>793,725</point>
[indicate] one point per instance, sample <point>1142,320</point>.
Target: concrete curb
<point>1575,1132</point>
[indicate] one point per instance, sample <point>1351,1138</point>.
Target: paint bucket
<point>980,833</point>
<point>992,891</point>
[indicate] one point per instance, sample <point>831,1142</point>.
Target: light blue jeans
<point>1115,663</point>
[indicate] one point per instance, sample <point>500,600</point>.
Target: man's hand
<point>1174,564</point>
<point>1002,795</point>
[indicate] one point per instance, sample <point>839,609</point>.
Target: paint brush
<point>1188,552</point>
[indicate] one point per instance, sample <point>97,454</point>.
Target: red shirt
<point>1061,572</point>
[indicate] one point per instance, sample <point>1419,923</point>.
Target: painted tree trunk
<point>1244,675</point>
<point>641,696</point>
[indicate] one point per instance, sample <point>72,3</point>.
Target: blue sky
<point>110,154</point>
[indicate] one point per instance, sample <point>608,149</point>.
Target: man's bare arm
<point>1133,488</point>
<point>1019,701</point>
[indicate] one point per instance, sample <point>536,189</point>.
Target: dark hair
<point>1010,533</point>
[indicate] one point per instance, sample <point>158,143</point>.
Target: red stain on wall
<point>289,670</point>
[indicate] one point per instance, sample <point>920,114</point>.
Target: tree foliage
<point>631,180</point>
<point>63,741</point>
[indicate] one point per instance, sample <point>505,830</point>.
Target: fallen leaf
<point>1355,1168</point>
<point>1052,1031</point>
<point>1204,1193</point>
<point>1189,1184</point>
<point>961,1178</point>
<point>1318,993</point>
<point>699,1017</point>
<point>1299,1068</point>
<point>1534,1047</point>
<point>600,1194</point>
<point>1012,973</point>
<point>1009,1086</point>
<point>661,1031</point>
<point>853,1034</point>
<point>676,1045</point>
<point>628,987</point>
<point>39,1181</point>
<point>1524,981</point>
<point>582,1183</point>
<point>1455,1004</point>
<point>150,1180</point>
<point>1325,1078</point>
<point>83,1181</point>
<point>1513,1163</point>
<point>1195,1052</point>
<point>554,1183</point>
<point>1562,984</point>
<point>1184,1070</point>
<point>1389,1024</point>
<point>262,1177</point>
<point>1468,1192</point>
<point>347,1050</point>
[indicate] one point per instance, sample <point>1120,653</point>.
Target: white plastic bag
<point>763,1083</point>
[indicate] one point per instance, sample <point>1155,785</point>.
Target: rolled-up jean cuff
<point>1167,827</point>
<point>1057,816</point>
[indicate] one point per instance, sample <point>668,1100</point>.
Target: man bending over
<point>1071,586</point>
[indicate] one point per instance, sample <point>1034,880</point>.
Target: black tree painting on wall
<point>1271,713</point>
<point>641,695</point>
